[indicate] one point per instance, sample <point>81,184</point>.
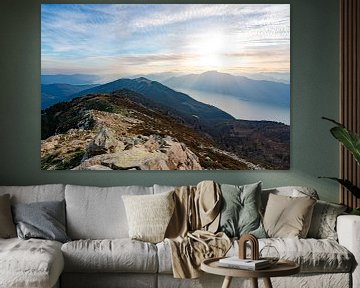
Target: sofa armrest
<point>348,230</point>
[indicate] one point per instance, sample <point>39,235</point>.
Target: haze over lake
<point>241,109</point>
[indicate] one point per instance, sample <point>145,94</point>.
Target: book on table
<point>236,262</point>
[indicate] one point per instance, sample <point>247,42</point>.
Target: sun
<point>210,49</point>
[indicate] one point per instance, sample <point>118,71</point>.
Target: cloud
<point>79,35</point>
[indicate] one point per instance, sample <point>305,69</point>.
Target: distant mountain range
<point>55,93</point>
<point>260,91</point>
<point>184,105</point>
<point>73,79</point>
<point>269,92</point>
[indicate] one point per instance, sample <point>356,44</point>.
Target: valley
<point>139,124</point>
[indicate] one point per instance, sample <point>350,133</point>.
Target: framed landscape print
<point>165,86</point>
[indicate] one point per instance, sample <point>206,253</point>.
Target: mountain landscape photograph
<point>165,86</point>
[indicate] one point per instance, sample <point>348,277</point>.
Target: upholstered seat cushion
<point>116,255</point>
<point>313,255</point>
<point>30,263</point>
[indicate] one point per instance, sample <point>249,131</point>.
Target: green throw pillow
<point>240,213</point>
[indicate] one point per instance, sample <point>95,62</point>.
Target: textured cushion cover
<point>7,226</point>
<point>240,210</point>
<point>44,220</point>
<point>32,263</point>
<point>149,215</point>
<point>313,255</point>
<point>287,216</point>
<point>323,222</point>
<point>98,213</point>
<point>117,255</point>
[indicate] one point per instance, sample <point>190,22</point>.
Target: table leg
<point>227,282</point>
<point>267,283</point>
<point>254,282</point>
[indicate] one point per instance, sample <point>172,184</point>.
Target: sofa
<point>100,253</point>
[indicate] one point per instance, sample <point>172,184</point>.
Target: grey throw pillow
<point>240,213</point>
<point>323,222</point>
<point>44,220</point>
<point>7,226</point>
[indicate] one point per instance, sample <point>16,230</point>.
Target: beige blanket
<point>192,227</point>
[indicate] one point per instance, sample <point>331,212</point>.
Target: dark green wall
<point>314,93</point>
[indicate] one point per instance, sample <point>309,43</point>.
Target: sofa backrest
<point>98,212</point>
<point>35,193</point>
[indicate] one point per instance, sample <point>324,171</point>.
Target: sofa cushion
<point>149,215</point>
<point>313,255</point>
<point>117,255</point>
<point>30,263</point>
<point>240,210</point>
<point>43,220</point>
<point>323,222</point>
<point>7,226</point>
<point>98,213</point>
<point>287,216</point>
<point>291,191</point>
<point>35,193</point>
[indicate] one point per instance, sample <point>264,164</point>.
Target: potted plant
<point>351,141</point>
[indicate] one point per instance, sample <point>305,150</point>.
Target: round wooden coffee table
<point>281,268</point>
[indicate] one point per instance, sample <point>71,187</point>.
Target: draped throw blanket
<point>191,231</point>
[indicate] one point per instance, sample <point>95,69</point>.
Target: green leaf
<point>347,184</point>
<point>348,138</point>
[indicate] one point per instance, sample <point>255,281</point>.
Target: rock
<point>152,144</point>
<point>93,167</point>
<point>181,158</point>
<point>87,122</point>
<point>103,143</point>
<point>146,156</point>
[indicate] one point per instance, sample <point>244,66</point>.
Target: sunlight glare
<point>210,49</point>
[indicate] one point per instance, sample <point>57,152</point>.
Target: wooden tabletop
<point>281,268</point>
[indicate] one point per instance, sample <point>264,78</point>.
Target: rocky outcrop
<point>138,153</point>
<point>104,142</point>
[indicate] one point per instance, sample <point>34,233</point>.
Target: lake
<point>241,109</point>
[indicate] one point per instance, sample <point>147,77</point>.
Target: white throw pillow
<point>149,215</point>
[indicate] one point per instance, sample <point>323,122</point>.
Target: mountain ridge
<point>242,87</point>
<point>163,95</point>
<point>59,92</point>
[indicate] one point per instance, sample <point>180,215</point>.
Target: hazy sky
<point>136,39</point>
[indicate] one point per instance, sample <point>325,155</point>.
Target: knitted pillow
<point>149,215</point>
